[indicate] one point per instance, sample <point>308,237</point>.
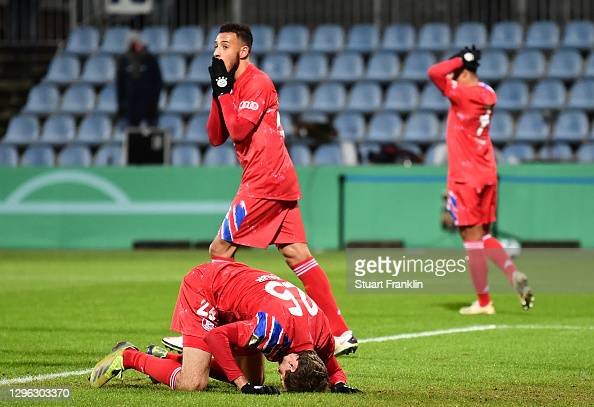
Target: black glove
<point>344,388</point>
<point>221,80</point>
<point>268,390</point>
<point>470,58</point>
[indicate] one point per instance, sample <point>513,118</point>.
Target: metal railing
<point>47,22</point>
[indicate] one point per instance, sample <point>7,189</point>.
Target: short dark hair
<point>244,33</point>
<point>310,376</point>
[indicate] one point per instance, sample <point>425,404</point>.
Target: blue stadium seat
<point>115,40</point>
<point>185,155</point>
<point>589,66</point>
<point>542,35</point>
<point>416,65</point>
<point>184,98</point>
<point>532,127</point>
<point>421,127</point>
<point>548,94</point>
<point>512,95</point>
<point>22,129</point>
<point>107,100</point>
<point>382,67</point>
<point>434,37</point>
<point>75,156</point>
<point>432,99</point>
<point>110,154</point>
<point>565,64</point>
<point>210,39</point>
<point>402,97</point>
<point>99,69</point>
<point>365,97</point>
<point>363,38</point>
<point>494,65</point>
<point>585,154</point>
<point>58,129</point>
<point>328,154</point>
<point>287,124</point>
<point>187,40</point>
<point>506,35</point>
<point>350,126</point>
<point>43,99</point>
<point>78,99</point>
<point>119,129</point>
<point>294,98</point>
<point>437,154</point>
<point>278,66</point>
<point>173,68</point>
<point>198,71</point>
<point>347,67</point>
<point>263,39</point>
<point>528,65</point>
<point>555,152</point>
<point>63,69</point>
<point>38,155</point>
<point>9,156</point>
<point>300,154</point>
<point>311,67</point>
<point>173,124</point>
<point>384,127</point>
<point>579,35</point>
<point>196,129</point>
<point>571,125</point>
<point>399,38</point>
<point>156,38</point>
<point>328,38</point>
<point>293,39</point>
<point>366,149</point>
<point>163,99</point>
<point>83,40</point>
<point>502,126</point>
<point>313,117</point>
<point>517,153</point>
<point>329,98</point>
<point>470,33</point>
<point>95,128</point>
<point>220,156</point>
<point>581,95</point>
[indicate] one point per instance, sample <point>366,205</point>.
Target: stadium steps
<point>20,68</point>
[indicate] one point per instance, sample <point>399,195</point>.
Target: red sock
<point>477,262</point>
<point>163,370</point>
<point>496,252</point>
<point>174,356</point>
<point>317,286</point>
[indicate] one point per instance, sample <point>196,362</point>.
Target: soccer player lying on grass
<point>472,175</point>
<point>226,310</point>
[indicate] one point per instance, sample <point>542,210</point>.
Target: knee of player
<point>192,384</point>
<point>295,253</point>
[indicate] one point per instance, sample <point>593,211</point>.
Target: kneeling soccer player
<point>227,310</point>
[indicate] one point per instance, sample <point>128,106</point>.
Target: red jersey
<point>260,310</point>
<point>268,171</point>
<point>471,158</point>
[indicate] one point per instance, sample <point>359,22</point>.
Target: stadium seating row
<point>333,38</point>
<point>189,154</point>
<point>347,67</point>
<point>328,97</point>
<point>421,127</point>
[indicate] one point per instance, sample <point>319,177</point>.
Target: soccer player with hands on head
<point>230,316</point>
<point>265,209</point>
<point>472,174</point>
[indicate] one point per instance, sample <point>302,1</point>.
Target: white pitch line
<point>411,335</point>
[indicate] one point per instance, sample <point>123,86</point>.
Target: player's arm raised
<point>438,72</point>
<point>219,342</point>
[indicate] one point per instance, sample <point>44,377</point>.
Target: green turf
<point>62,311</point>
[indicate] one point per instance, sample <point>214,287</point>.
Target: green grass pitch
<point>62,311</point>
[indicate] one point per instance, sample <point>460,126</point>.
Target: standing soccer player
<point>472,175</point>
<point>265,210</point>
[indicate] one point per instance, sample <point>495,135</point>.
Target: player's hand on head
<point>221,80</point>
<point>344,388</point>
<point>266,390</point>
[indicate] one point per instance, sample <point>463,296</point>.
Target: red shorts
<point>257,222</point>
<point>470,205</point>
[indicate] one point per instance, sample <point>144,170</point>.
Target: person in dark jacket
<point>138,84</point>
